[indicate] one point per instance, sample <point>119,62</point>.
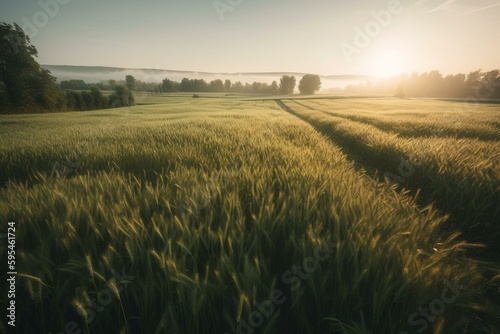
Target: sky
<point>328,37</point>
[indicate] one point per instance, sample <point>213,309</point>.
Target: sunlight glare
<point>389,62</point>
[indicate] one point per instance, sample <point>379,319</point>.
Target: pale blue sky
<point>264,35</point>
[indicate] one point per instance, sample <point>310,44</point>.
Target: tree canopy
<point>24,85</point>
<point>74,84</point>
<point>130,82</point>
<point>287,84</point>
<point>309,84</point>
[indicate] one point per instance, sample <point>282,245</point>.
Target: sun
<point>388,62</point>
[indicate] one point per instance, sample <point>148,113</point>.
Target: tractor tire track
<point>377,162</point>
<point>365,161</point>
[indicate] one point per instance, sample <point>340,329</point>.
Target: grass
<point>187,214</point>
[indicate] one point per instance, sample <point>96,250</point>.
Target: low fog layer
<point>97,74</point>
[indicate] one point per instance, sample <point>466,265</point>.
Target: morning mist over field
<point>250,166</point>
<point>96,74</point>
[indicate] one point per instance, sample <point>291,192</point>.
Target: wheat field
<point>238,215</point>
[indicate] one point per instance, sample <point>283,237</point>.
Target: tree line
<point>309,84</point>
<point>476,84</point>
<point>94,99</point>
<point>26,87</point>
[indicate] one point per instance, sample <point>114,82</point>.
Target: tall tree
<point>489,85</point>
<point>238,87</point>
<point>99,99</point>
<point>74,84</point>
<point>309,84</point>
<point>168,85</point>
<point>112,84</point>
<point>130,80</point>
<point>257,87</point>
<point>200,85</point>
<point>454,85</point>
<point>122,97</point>
<point>473,82</point>
<point>27,87</point>
<point>227,85</point>
<point>287,84</point>
<point>216,86</point>
<point>274,89</point>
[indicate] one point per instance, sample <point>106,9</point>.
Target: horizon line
<point>204,72</point>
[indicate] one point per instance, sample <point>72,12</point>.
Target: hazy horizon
<point>377,38</point>
<point>98,74</point>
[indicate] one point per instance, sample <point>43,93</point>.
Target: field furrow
<point>443,120</point>
<point>462,177</point>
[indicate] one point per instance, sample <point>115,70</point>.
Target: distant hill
<point>92,74</point>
